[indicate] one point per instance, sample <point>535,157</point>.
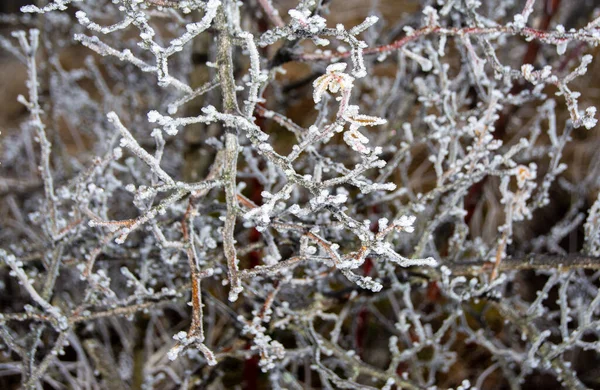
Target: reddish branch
<point>541,35</point>
<point>272,13</point>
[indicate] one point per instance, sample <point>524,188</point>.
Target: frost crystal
<point>334,80</point>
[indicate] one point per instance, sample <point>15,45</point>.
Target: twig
<point>530,262</point>
<point>225,64</point>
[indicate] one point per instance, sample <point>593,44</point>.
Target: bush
<point>219,194</point>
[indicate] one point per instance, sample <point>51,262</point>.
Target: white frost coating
<point>56,5</point>
<point>15,265</point>
<point>561,47</point>
<point>129,142</point>
<point>325,208</point>
<point>368,22</point>
<point>333,80</point>
<point>193,29</point>
<point>426,65</point>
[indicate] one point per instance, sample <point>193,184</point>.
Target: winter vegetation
<point>224,194</point>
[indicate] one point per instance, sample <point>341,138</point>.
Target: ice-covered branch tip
<point>129,142</point>
<point>56,5</point>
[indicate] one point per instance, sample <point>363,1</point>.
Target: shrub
<point>202,190</point>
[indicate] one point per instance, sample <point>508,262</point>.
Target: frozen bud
<point>589,119</point>
<point>405,223</point>
<point>333,80</point>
